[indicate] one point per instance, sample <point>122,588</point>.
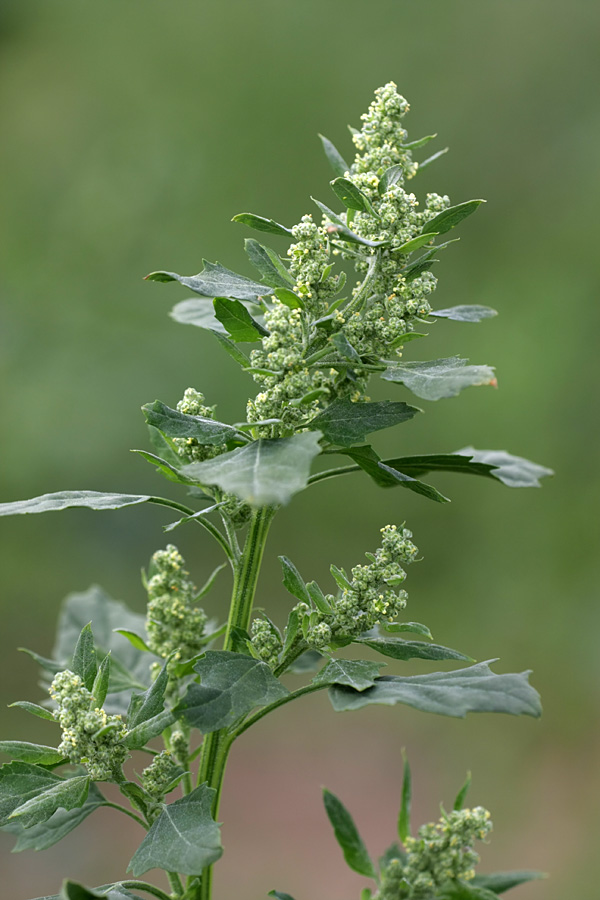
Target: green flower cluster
<point>89,735</point>
<point>441,854</point>
<point>266,641</point>
<point>369,597</point>
<point>191,449</point>
<point>160,776</point>
<point>173,623</point>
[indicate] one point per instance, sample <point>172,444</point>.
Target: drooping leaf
<point>293,581</point>
<point>73,891</point>
<point>413,484</point>
<point>263,473</point>
<point>353,848</point>
<point>69,793</point>
<point>439,378</point>
<point>58,826</point>
<point>268,264</point>
<point>513,471</point>
<point>66,499</point>
<point>84,661</point>
<point>184,838</point>
<point>114,891</point>
<point>499,882</point>
<point>404,814</point>
<point>451,217</point>
<point>176,424</point>
<point>237,320</point>
<point>232,349</point>
<point>335,158</point>
<point>358,674</point>
<point>464,890</point>
<point>38,754</point>
<point>385,475</point>
<point>232,684</point>
<point>259,223</point>
<point>474,689</point>
<point>466,313</point>
<point>351,196</point>
<point>134,639</point>
<point>215,281</point>
<point>345,423</point>
<point>34,709</point>
<point>398,649</point>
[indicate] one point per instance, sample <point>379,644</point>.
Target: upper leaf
<point>351,196</point>
<point>58,826</point>
<point>215,281</point>
<point>232,685</point>
<point>261,224</point>
<point>149,704</point>
<point>465,313</point>
<point>265,261</point>
<point>475,689</point>
<point>238,322</point>
<point>439,378</point>
<point>184,838</point>
<point>354,850</point>
<point>450,217</point>
<point>84,661</point>
<point>336,160</point>
<point>499,882</point>
<point>345,423</point>
<point>66,499</point>
<point>399,649</point>
<point>357,674</point>
<point>176,424</point>
<point>263,473</point>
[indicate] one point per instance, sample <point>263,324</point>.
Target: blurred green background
<point>132,132</point>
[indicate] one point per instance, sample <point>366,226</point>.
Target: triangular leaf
<point>215,281</point>
<point>69,793</point>
<point>58,826</point>
<point>358,674</point>
<point>265,261</point>
<point>84,661</point>
<point>237,321</point>
<point>176,424</point>
<point>399,649</point>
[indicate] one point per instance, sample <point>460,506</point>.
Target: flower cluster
<point>441,854</point>
<point>266,641</point>
<point>158,778</point>
<point>191,449</point>
<point>173,623</point>
<point>369,597</point>
<point>89,735</point>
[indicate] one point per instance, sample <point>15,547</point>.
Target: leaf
<point>293,581</point>
<point>358,674</point>
<point>259,223</point>
<point>306,662</point>
<point>175,424</point>
<point>474,689</point>
<point>237,320</point>
<point>263,473</point>
<point>468,313</point>
<point>430,159</point>
<point>504,881</point>
<point>344,422</point>
<point>412,484</point>
<point>352,197</point>
<point>65,794</point>
<point>34,709</point>
<point>66,499</point>
<point>414,244</point>
<point>279,895</point>
<point>139,736</point>
<point>439,378</point>
<point>335,158</point>
<point>353,848</point>
<point>184,838</point>
<point>232,684</point>
<point>32,753</point>
<point>200,313</point>
<point>19,782</point>
<point>339,229</point>
<point>513,471</point>
<point>404,815</point>
<point>165,468</point>
<point>345,348</point>
<point>215,281</point>
<point>73,891</point>
<point>393,175</point>
<point>289,298</point>
<point>58,826</point>
<point>438,462</point>
<point>462,794</point>
<point>387,476</point>
<point>451,217</point>
<point>265,261</point>
<point>413,627</point>
<point>134,639</point>
<point>399,649</point>
<point>230,348</point>
<point>149,704</point>
<point>463,890</point>
<point>84,661</point>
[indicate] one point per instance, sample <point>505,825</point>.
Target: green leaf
<point>339,229</point>
<point>65,794</point>
<point>344,422</point>
<point>259,223</point>
<point>399,649</point>
<point>451,217</point>
<point>318,598</point>
<point>134,639</point>
<point>293,581</point>
<point>352,197</point>
<point>306,662</point>
<point>175,424</point>
<point>513,471</point>
<point>466,313</point>
<point>215,281</point>
<point>165,468</point>
<point>289,298</point>
<point>232,684</point>
<point>233,351</point>
<point>279,895</point>
<point>415,244</point>
<point>200,313</point>
<point>34,709</point>
<point>163,447</point>
<point>463,890</point>
<point>474,689</point>
<point>39,754</point>
<point>353,848</point>
<point>357,674</point>
<point>391,176</point>
<point>73,891</point>
<point>335,158</point>
<point>139,736</point>
<point>404,815</point>
<point>462,794</point>
<point>439,378</point>
<point>412,627</point>
<point>499,882</point>
<point>265,261</point>
<point>386,476</point>
<point>66,499</point>
<point>237,320</point>
<point>263,473</point>
<point>48,665</point>
<point>19,782</point>
<point>430,159</point>
<point>84,661</point>
<point>149,704</point>
<point>184,838</point>
<point>345,348</point>
<point>58,826</point>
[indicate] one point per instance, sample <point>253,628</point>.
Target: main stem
<point>215,747</point>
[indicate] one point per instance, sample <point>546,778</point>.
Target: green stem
<point>265,710</point>
<point>176,883</point>
<point>147,888</point>
<point>128,812</point>
<point>212,529</point>
<point>216,745</point>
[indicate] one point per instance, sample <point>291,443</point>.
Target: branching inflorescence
<point>336,308</point>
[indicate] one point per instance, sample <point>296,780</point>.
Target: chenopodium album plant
<point>118,682</point>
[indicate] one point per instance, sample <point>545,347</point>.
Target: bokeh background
<point>132,132</point>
